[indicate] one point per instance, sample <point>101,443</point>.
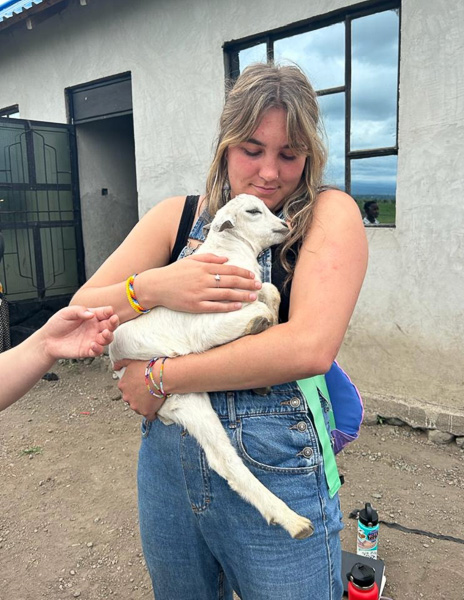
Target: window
<point>10,112</point>
<point>352,59</point>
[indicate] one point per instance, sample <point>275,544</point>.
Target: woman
<point>200,539</point>
<point>73,331</point>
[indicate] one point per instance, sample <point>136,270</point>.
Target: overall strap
<point>185,226</point>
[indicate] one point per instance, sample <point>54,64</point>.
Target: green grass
<point>32,450</point>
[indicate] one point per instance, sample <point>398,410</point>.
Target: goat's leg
<point>222,328</point>
<point>196,414</point>
<point>270,295</point>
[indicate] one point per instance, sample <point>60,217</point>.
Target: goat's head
<point>248,218</point>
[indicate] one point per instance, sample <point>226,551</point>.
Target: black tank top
<point>278,272</point>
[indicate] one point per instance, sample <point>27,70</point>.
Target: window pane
<point>18,263</point>
<point>13,153</point>
<point>333,115</point>
<point>59,260</point>
<point>320,53</point>
<point>53,205</point>
<point>252,55</point>
<point>52,155</point>
<point>41,205</point>
<point>58,250</point>
<point>13,115</point>
<point>375,179</point>
<point>13,206</point>
<point>374,81</point>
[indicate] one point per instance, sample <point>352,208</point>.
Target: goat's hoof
<point>257,325</point>
<point>299,528</point>
<point>304,529</point>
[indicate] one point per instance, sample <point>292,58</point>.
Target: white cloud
<point>252,55</point>
<point>320,53</point>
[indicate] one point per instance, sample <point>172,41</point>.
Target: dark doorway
<point>102,114</point>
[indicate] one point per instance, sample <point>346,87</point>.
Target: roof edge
<point>29,13</point>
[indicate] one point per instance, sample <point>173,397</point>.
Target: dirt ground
<point>68,523</point>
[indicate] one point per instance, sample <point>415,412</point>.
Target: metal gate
<point>39,215</point>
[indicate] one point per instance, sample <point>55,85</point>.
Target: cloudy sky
<point>321,54</point>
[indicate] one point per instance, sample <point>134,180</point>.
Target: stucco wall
<point>405,340</point>
<point>406,337</point>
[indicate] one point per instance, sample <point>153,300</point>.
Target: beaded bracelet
<point>149,377</point>
<point>132,297</point>
<point>161,387</point>
<point>151,364</point>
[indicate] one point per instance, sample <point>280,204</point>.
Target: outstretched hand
<point>79,332</point>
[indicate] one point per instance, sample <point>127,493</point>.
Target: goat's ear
<point>227,222</point>
<point>226,225</point>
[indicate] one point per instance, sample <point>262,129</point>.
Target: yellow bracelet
<point>132,297</point>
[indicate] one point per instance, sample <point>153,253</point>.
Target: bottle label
<point>368,538</point>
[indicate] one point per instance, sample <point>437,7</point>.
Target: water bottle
<point>368,532</point>
<point>361,583</point>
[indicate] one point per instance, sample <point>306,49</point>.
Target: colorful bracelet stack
<point>158,392</point>
<point>132,297</point>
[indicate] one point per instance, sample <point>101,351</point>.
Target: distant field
<point>387,207</point>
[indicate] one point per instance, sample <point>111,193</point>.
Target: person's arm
<point>328,277</point>
<point>73,332</point>
<point>187,285</point>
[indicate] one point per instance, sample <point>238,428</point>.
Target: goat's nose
<point>283,228</point>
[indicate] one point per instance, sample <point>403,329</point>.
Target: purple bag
<point>347,407</point>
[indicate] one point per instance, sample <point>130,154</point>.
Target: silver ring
<point>217,277</point>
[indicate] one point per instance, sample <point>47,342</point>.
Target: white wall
<point>405,340</point>
<point>407,335</point>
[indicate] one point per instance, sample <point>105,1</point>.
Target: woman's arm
<point>73,332</point>
<point>326,284</point>
<point>186,285</point>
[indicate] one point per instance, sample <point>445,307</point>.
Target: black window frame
<point>8,111</point>
<point>345,15</point>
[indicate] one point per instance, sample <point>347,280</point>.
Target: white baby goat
<point>241,230</point>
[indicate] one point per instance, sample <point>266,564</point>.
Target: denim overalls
<point>201,540</point>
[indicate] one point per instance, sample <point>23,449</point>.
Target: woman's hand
<point>191,285</point>
<point>134,390</point>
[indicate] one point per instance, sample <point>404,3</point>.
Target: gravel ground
<point>68,525</point>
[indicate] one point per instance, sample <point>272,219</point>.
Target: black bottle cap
<point>361,575</point>
<point>368,516</point>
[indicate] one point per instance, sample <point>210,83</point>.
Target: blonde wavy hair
<point>260,87</point>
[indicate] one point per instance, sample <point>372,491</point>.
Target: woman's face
<point>264,165</point>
